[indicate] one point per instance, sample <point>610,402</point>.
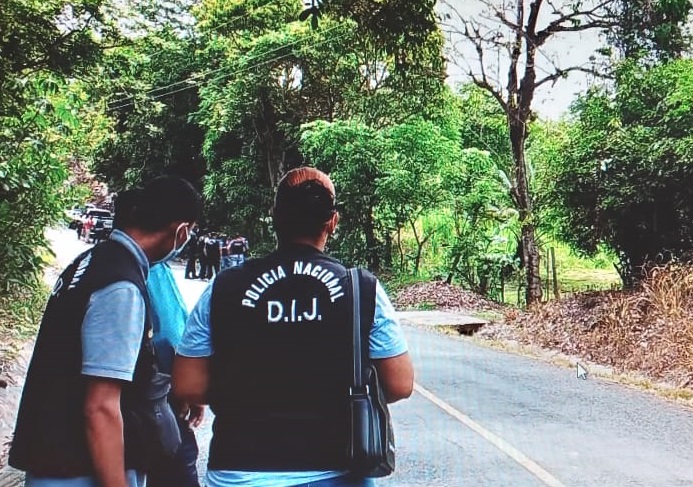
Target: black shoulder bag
<point>371,449</point>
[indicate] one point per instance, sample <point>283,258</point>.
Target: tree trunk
<point>453,268</point>
<point>556,289</point>
<point>523,200</point>
<point>401,250</point>
<point>419,246</point>
<point>372,256</point>
<point>387,256</point>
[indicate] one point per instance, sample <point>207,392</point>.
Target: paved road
<point>583,433</point>
<point>482,417</point>
<point>522,416</point>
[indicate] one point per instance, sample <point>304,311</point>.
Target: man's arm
<point>111,336</point>
<point>104,424</point>
<point>191,364</point>
<point>388,350</point>
<point>396,375</point>
<point>191,379</point>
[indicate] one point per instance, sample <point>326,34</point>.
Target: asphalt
<point>489,418</point>
<point>582,432</point>
<point>578,433</point>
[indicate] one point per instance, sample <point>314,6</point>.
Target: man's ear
<point>332,223</point>
<point>173,227</point>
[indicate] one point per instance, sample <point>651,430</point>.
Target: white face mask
<point>175,251</point>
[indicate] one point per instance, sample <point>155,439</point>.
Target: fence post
<point>556,290</point>
<point>502,287</point>
<point>548,276</point>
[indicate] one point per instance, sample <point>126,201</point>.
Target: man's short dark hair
<point>303,204</point>
<point>124,206</point>
<point>162,201</point>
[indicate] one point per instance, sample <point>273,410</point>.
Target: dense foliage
<point>43,44</point>
<point>651,30</point>
<point>432,181</point>
<point>628,176</point>
<point>278,74</point>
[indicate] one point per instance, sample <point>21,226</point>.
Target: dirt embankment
<point>648,331</point>
<point>439,295</point>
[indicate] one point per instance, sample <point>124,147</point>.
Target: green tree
<point>150,95</point>
<point>35,148</point>
<point>44,46</point>
<point>352,153</point>
<point>412,183</point>
<point>277,74</point>
<point>389,180</point>
<point>482,244</point>
<point>628,173</point>
<point>54,36</point>
<point>650,30</point>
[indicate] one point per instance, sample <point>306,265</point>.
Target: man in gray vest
<point>88,416</point>
<point>268,347</point>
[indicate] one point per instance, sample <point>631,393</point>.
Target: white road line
<point>498,442</point>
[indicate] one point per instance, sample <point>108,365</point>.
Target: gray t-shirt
<point>114,323</point>
<point>111,337</point>
<point>112,331</point>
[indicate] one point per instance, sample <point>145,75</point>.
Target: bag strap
<point>357,382</point>
<point>363,286</point>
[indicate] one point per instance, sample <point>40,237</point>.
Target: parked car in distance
<point>103,224</point>
<point>103,221</point>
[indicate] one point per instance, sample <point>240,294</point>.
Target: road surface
<point>481,417</point>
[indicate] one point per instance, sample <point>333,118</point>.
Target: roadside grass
<point>579,274</point>
<point>424,306</point>
<point>21,308</point>
<point>490,316</point>
<point>575,274</point>
<point>394,282</point>
<point>20,315</point>
<point>582,279</point>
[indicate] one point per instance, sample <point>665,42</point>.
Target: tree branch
<point>563,72</point>
<point>484,84</point>
<point>579,20</point>
<point>500,15</point>
<point>515,52</point>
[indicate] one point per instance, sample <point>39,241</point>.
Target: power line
<point>226,75</point>
<point>212,29</point>
<point>211,71</point>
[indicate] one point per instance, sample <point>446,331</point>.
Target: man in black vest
<point>268,347</point>
<point>84,417</point>
<point>238,248</point>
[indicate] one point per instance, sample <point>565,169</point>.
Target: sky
<point>569,49</point>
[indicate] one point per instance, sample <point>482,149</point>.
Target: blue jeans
<point>236,260</point>
<point>182,470</point>
<point>344,481</point>
<point>134,479</point>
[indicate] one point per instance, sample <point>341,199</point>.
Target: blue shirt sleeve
<point>112,331</point>
<point>169,313</point>
<point>197,337</point>
<point>386,339</point>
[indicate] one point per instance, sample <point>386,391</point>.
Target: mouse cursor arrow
<point>581,372</point>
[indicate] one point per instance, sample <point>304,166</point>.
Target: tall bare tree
<point>499,44</point>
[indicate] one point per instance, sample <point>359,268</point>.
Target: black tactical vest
<point>282,362</point>
<point>50,435</point>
